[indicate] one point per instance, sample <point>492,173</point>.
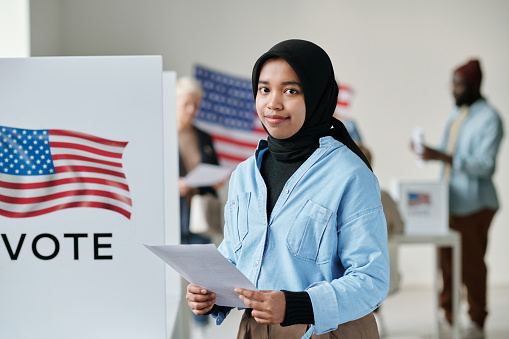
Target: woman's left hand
<point>269,307</point>
<point>184,189</point>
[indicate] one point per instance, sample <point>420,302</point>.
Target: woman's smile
<point>274,119</point>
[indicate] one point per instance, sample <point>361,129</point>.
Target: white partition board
<point>95,278</point>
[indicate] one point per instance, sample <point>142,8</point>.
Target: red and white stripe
<point>233,146</point>
<point>88,173</point>
<point>344,99</point>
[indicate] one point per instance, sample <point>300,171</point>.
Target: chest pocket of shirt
<point>239,208</point>
<point>307,231</point>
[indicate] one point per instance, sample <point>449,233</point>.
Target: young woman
<point>303,221</point>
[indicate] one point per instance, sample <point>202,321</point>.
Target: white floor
<point>408,314</point>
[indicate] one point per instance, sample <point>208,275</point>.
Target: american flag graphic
<point>415,199</point>
<point>43,171</point>
<point>228,114</point>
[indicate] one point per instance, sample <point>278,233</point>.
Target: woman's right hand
<point>433,154</point>
<point>200,301</point>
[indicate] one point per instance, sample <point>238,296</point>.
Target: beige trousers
<point>363,328</point>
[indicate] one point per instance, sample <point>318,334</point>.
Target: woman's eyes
<point>286,91</point>
<point>291,91</point>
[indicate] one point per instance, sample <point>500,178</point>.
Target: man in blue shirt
<point>468,151</point>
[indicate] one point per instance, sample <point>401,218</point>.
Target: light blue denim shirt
<point>326,234</point>
<point>474,160</point>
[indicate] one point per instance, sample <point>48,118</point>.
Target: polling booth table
<point>424,209</point>
<point>88,174</point>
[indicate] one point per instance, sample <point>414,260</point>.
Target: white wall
<point>14,28</point>
<point>398,55</point>
<point>45,28</point>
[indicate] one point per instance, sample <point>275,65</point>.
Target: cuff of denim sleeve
<point>299,309</point>
<point>212,310</point>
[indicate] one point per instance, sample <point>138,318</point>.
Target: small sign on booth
<point>424,206</point>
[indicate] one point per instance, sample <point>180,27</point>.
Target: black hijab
<point>316,75</point>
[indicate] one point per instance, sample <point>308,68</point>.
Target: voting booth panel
<point>424,206</point>
<point>171,195</point>
<point>81,190</point>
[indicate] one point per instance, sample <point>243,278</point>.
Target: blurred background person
<point>469,148</point>
<point>195,147</point>
<point>394,226</point>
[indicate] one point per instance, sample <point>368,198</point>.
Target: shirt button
<point>287,191</point>
<point>233,202</point>
<point>256,262</point>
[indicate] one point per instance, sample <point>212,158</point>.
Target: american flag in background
<point>415,199</point>
<point>228,114</point>
<point>43,171</point>
<point>345,96</point>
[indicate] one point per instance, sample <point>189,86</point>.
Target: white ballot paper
<point>205,266</point>
<point>418,144</point>
<point>206,175</point>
